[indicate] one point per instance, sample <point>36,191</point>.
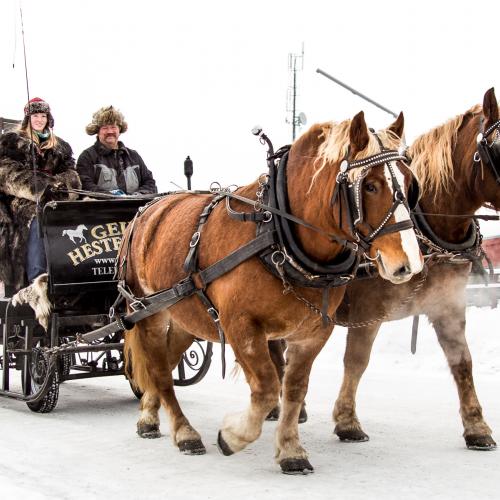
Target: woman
<point>34,165</point>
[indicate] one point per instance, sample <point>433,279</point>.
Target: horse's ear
<point>398,126</point>
<point>358,133</point>
<point>490,107</point>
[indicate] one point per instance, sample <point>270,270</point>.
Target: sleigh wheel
<point>65,362</point>
<point>33,379</point>
<point>194,364</point>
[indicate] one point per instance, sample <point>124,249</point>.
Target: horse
<point>76,233</point>
<point>248,302</point>
<point>457,178</point>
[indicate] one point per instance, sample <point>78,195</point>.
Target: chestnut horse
<point>251,305</point>
<point>455,180</point>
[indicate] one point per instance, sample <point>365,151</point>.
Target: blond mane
<point>336,141</point>
<point>431,155</point>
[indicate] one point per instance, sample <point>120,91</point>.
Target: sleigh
<point>81,241</point>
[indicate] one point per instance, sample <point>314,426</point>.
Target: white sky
<point>194,77</point>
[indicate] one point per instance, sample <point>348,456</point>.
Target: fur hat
<point>37,105</point>
<point>106,116</point>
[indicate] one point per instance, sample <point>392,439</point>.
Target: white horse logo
<point>75,233</point>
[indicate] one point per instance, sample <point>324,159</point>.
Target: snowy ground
<point>87,447</point>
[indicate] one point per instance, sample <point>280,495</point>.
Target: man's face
<point>108,135</point>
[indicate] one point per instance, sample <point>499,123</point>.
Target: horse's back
<point>159,240</point>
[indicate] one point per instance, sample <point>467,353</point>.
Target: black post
<point>188,170</point>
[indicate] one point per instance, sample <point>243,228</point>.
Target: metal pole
<point>188,171</point>
<point>330,77</point>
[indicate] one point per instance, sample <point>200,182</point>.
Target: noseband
<point>350,194</point>
<point>484,150</point>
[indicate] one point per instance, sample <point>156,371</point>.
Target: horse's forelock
<point>336,141</point>
<point>431,154</point>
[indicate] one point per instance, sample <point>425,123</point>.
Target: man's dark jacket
<point>103,169</point>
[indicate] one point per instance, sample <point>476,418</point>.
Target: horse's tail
<point>64,232</point>
<point>144,348</point>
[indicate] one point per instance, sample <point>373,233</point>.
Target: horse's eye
<point>370,187</point>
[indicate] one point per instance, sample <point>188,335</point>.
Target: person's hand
<point>53,192</point>
<point>117,192</point>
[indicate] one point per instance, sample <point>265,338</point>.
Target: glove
<point>117,192</point>
<point>53,193</point>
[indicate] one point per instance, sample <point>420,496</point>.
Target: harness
<point>485,152</point>
<point>275,244</point>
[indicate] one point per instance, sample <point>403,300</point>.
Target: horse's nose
<point>403,271</point>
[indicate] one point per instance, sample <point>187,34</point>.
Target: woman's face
<point>38,121</point>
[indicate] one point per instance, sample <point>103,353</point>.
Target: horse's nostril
<point>403,271</point>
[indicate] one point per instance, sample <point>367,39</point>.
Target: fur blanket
<point>20,190</point>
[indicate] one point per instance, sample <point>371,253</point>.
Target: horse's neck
<point>462,198</point>
<point>312,204</point>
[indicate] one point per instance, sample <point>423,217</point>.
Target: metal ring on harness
<point>274,259</point>
<point>268,216</point>
<point>215,187</point>
<point>399,196</point>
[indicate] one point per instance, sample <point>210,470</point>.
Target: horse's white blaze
<point>408,239</point>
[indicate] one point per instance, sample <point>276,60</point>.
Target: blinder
<point>413,193</point>
<point>490,153</point>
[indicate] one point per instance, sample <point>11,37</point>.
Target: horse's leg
<point>290,454</point>
<point>277,353</point>
<point>359,344</point>
<point>152,373</point>
<point>450,329</point>
<point>242,428</point>
<point>148,425</point>
<point>277,350</point>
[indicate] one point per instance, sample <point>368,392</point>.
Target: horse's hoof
<point>223,446</point>
<point>296,466</point>
<point>302,415</point>
<point>192,447</point>
<point>483,443</point>
<point>352,435</point>
<point>148,431</point>
<point>274,414</point>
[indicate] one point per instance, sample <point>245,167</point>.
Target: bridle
<point>484,151</point>
<point>349,194</point>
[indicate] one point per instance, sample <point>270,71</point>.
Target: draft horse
<point>458,166</point>
<point>247,305</point>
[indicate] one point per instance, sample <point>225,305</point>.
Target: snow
<point>87,447</point>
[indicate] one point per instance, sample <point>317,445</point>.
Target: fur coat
<point>19,191</point>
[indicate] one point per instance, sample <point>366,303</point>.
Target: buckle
<point>214,314</point>
<point>194,239</point>
<point>137,305</point>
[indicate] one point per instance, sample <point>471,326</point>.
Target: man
<point>108,166</point>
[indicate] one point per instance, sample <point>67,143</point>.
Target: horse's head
<point>380,185</point>
<point>355,183</point>
<point>81,227</point>
<point>487,180</point>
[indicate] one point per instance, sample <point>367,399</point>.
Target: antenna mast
<point>295,64</point>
